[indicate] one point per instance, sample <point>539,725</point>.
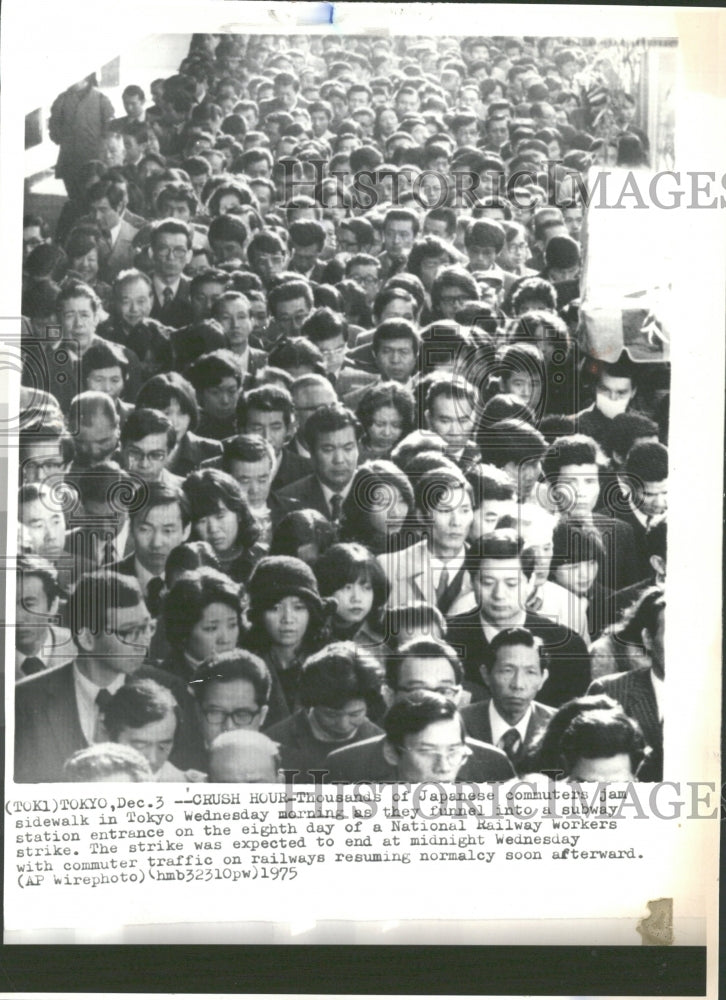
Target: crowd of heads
<point>304,383</point>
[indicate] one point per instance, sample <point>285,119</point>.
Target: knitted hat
<point>277,577</point>
<point>562,252</point>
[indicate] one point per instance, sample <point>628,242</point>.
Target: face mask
<point>610,407</point>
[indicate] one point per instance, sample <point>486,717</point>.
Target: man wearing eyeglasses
<point>171,251</point>
<point>147,441</point>
<point>45,453</point>
<point>233,692</point>
<point>425,670</point>
<point>59,711</point>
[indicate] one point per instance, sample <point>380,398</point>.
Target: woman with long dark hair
<point>222,517</point>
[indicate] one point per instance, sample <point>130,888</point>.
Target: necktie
<point>443,584</point>
<point>167,295</point>
<point>103,698</point>
<point>336,502</point>
<point>153,595</point>
<point>32,665</point>
<point>509,743</point>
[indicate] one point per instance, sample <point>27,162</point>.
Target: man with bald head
<point>309,392</point>
<point>244,755</point>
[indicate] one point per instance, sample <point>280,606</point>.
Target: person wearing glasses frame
<point>60,711</point>
<point>232,691</point>
<point>171,251</point>
<point>424,740</point>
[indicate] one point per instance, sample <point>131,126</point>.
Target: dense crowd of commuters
<point>318,479</point>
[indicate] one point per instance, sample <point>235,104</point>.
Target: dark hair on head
<point>141,422</point>
<point>96,597</point>
<point>505,406</point>
<point>417,618</point>
<point>512,441</point>
<point>503,543</point>
<point>107,483</point>
<point>103,354</point>
<point>602,733</point>
<point>137,703</point>
<point>169,387</point>
<point>209,489</point>
<point>533,290</point>
<point>395,329</point>
<point>647,462</point>
<point>574,541</point>
<point>544,756</point>
<point>436,487</point>
<point>514,637</point>
<point>189,596</point>
<point>490,483</point>
<point>423,647</point>
<point>149,338</point>
<point>373,483</point>
<point>342,672</point>
<point>328,419</point>
<point>394,293</point>
<point>574,449</point>
<point>415,712</point>
<point>186,558</point>
<point>265,399</point>
<point>536,325</point>
<point>160,494</point>
<point>414,444</point>
<point>74,290</point>
<point>298,528</point>
<point>210,370</point>
<point>555,425</point>
<point>626,428</point>
<point>246,448</point>
<point>350,562</point>
<point>172,227</point>
<point>386,394</point>
<point>31,565</point>
<point>452,276</point>
<point>236,664</point>
<point>307,232</point>
<point>422,249</point>
<point>297,352</point>
<point>323,324</point>
<point>273,376</point>
<point>102,761</point>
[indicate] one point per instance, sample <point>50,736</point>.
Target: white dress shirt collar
<point>86,694</point>
<point>500,726</point>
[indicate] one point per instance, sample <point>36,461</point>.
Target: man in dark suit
<point>61,711</point>
<point>640,692</point>
<point>232,312</point>
<point>268,411</point>
<point>331,434</point>
<point>424,740</point>
<point>308,393</point>
<point>171,251</point>
<point>514,673</point>
<point>501,574</point>
<point>645,479</point>
<point>162,523</point>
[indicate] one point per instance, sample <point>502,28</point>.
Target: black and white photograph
<point>344,446</point>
